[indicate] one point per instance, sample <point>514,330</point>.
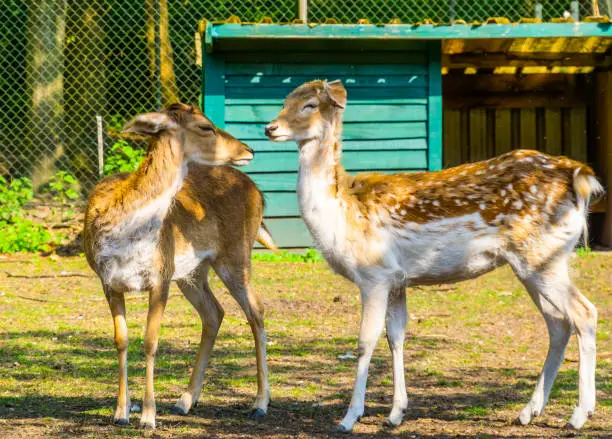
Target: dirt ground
<point>473,352</point>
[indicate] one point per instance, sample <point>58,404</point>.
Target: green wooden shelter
<point>393,75</point>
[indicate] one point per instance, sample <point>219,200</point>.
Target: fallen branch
<point>47,276</point>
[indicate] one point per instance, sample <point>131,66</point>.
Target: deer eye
<point>309,106</point>
<point>205,128</point>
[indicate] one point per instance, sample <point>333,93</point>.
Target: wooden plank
<point>364,100</point>
<point>303,33</point>
<point>275,181</point>
<point>353,113</point>
<point>503,130</point>
<point>357,130</point>
<point>289,232</point>
<point>347,145</point>
<point>352,160</point>
<point>281,204</point>
<point>576,135</point>
<point>377,94</point>
<point>452,138</point>
<point>414,63</point>
<point>478,134</point>
<point>434,106</point>
<point>521,59</point>
<point>458,82</point>
<point>287,181</point>
<point>513,100</point>
<point>214,89</point>
<point>603,128</point>
<point>553,131</point>
<point>528,131</point>
<point>350,81</point>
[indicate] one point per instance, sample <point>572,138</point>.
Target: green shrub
<point>16,232</point>
<point>123,158</point>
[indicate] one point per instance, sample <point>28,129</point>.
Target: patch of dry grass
<point>473,353</point>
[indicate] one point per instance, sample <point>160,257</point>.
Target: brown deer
<point>389,232</point>
<point>172,219</point>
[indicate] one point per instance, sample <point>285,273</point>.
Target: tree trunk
<point>162,47</point>
<point>45,79</point>
<point>170,92</point>
<point>86,95</point>
<point>149,7</point>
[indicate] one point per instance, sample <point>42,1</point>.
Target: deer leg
<point>116,302</point>
<point>211,313</point>
<point>584,320</point>
<point>374,301</point>
<point>396,327</point>
<point>158,298</point>
<point>236,278</point>
<point>564,309</point>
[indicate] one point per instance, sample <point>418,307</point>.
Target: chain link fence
<point>64,62</point>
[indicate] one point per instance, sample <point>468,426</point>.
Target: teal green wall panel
<point>352,81</point>
<point>411,63</point>
<point>355,130</point>
<point>352,160</point>
<point>353,113</point>
<point>289,232</point>
<point>347,145</point>
<point>390,123</point>
<point>355,93</point>
<point>435,107</point>
<point>281,204</point>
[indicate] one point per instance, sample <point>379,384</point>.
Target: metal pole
<point>100,146</point>
<point>303,10</point>
<point>538,11</point>
<point>575,11</point>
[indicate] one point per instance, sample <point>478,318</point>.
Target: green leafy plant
<point>13,196</point>
<point>16,232</point>
<point>63,188</point>
<point>123,158</point>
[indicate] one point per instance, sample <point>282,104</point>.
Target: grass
<point>473,353</point>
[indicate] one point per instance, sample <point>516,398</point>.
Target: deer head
<point>311,112</point>
<point>201,141</point>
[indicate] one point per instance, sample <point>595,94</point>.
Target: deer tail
<point>586,188</point>
<point>264,237</point>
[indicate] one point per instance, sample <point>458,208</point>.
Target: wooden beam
<point>512,100</point>
<point>523,59</point>
<point>406,31</point>
<point>490,83</point>
<point>603,120</point>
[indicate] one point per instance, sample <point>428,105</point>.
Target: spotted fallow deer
<point>387,232</point>
<point>172,219</point>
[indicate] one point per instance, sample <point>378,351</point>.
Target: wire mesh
<point>446,11</point>
<point>63,62</point>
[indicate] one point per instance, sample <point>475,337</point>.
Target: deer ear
<point>149,124</point>
<point>337,93</point>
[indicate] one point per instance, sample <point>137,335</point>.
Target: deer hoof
<point>257,413</point>
<point>342,429</point>
<point>177,410</point>
<point>121,422</point>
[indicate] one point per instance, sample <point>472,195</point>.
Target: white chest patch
<point>127,251</point>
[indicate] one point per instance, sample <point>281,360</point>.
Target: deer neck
<point>322,181</point>
<point>149,192</point>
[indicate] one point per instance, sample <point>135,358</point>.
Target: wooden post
<point>603,119</point>
<point>100,146</point>
<point>303,10</point>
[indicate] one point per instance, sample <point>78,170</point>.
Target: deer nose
<point>270,128</point>
<point>249,149</point>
